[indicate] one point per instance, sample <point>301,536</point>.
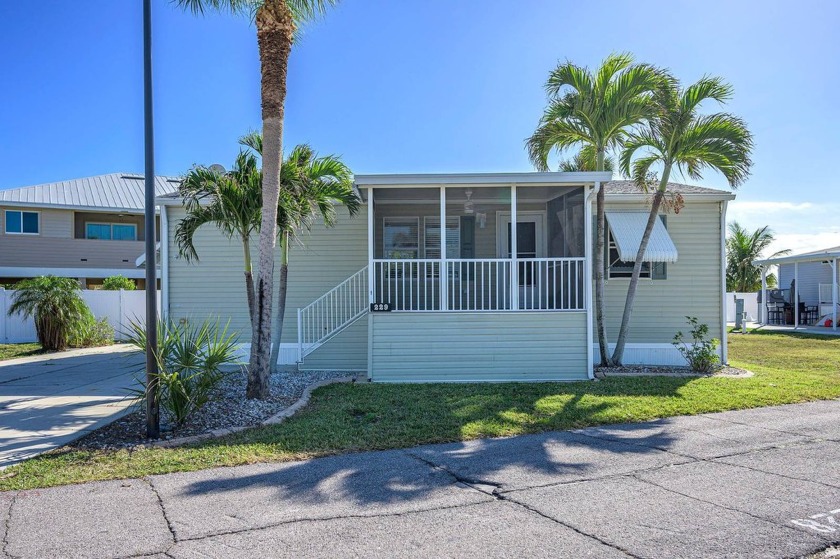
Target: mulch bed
<point>648,370</point>
<point>228,408</point>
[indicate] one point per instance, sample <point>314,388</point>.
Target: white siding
<point>476,347</point>
<point>811,275</point>
<point>692,287</point>
<point>321,259</point>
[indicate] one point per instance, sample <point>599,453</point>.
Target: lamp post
<point>152,407</point>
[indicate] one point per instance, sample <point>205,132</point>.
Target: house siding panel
<point>321,259</point>
<point>692,287</point>
<point>53,223</point>
<point>475,347</point>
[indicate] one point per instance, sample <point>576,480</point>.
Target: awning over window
<point>627,229</point>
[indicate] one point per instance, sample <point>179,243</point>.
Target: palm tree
<point>55,305</point>
<point>277,22</point>
<point>742,249</point>
<point>311,187</point>
<point>594,112</point>
<point>232,201</point>
<point>584,160</point>
<point>679,137</point>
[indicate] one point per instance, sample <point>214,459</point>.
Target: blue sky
<point>415,86</point>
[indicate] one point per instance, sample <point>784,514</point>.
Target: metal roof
<point>115,191</point>
<point>627,229</point>
<point>813,256</point>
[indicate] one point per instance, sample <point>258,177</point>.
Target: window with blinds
<point>400,238</point>
<point>431,237</point>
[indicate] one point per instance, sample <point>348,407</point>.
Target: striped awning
<point>627,229</point>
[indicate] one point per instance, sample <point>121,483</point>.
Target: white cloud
<point>738,208</point>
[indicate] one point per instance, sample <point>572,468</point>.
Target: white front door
<point>530,235</point>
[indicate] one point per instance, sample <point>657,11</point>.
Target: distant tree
<point>742,249</point>
<point>679,137</point>
<point>115,283</point>
<point>56,306</point>
<point>594,111</point>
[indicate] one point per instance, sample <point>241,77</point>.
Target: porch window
<point>111,231</point>
<point>431,237</point>
<point>401,238</point>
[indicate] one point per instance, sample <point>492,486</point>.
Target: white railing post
<point>795,295</point>
<point>443,274</point>
<point>371,277</point>
<point>834,294</point>
<point>514,253</point>
<point>300,335</point>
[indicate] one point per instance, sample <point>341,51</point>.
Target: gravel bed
<point>650,370</point>
<point>228,408</point>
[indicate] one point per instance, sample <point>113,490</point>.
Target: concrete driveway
<point>755,483</point>
<point>48,401</point>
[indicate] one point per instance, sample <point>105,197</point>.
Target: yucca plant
<point>190,364</point>
<point>55,305</point>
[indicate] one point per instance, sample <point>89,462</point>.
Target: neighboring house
<point>812,278</point>
<point>393,293</point>
<point>88,228</point>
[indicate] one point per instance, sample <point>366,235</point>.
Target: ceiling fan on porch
<point>469,209</point>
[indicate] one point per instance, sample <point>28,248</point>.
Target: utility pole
<point>152,405</point>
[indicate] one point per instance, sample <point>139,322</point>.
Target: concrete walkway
<point>48,401</point>
<point>757,483</point>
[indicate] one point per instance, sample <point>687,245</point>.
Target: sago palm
<point>55,305</point>
<point>594,112</point>
<point>277,22</point>
<point>311,188</point>
<point>232,201</point>
<point>679,137</point>
<point>742,249</point>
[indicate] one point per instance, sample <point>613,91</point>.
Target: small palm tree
<point>679,137</point>
<point>311,187</point>
<point>277,22</point>
<point>232,201</point>
<point>594,111</point>
<point>742,249</point>
<point>55,305</point>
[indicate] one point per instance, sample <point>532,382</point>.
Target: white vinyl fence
<point>119,307</point>
<point>750,305</point>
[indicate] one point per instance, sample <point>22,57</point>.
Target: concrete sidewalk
<point>49,400</point>
<point>756,483</point>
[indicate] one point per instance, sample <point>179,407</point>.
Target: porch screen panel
<point>401,238</point>
<point>431,237</point>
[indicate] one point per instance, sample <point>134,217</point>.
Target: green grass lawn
<point>11,351</point>
<point>342,418</point>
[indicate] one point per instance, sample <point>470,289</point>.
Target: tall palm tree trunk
<point>249,280</point>
<point>281,299</point>
<point>600,281</point>
<point>618,354</point>
<point>275,31</point>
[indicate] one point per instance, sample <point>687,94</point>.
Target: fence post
<point>122,316</point>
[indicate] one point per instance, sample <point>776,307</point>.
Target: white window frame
<point>403,218</point>
<point>646,272</point>
<point>503,218</point>
<point>21,212</point>
<point>111,227</point>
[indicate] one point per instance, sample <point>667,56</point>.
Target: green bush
<point>55,305</point>
<point>701,352</point>
<point>190,361</point>
<point>115,283</point>
<point>90,332</point>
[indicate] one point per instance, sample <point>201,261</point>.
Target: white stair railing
<point>332,312</point>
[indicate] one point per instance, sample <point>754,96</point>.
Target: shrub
<point>190,361</point>
<point>701,352</point>
<point>55,305</point>
<point>90,332</point>
<point>115,283</point>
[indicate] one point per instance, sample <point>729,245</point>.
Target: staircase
<point>332,312</point>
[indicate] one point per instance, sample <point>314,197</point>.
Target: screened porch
<point>468,264</point>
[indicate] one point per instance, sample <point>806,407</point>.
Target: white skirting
<point>647,354</point>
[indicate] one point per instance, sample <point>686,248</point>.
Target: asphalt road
<point>48,401</point>
<point>756,483</point>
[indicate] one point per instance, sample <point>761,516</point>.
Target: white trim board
<point>28,272</point>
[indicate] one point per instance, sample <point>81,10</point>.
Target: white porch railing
<point>330,313</point>
<point>551,284</point>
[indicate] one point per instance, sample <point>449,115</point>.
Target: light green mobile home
<point>392,293</point>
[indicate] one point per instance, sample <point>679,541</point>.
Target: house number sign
<point>380,307</point>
